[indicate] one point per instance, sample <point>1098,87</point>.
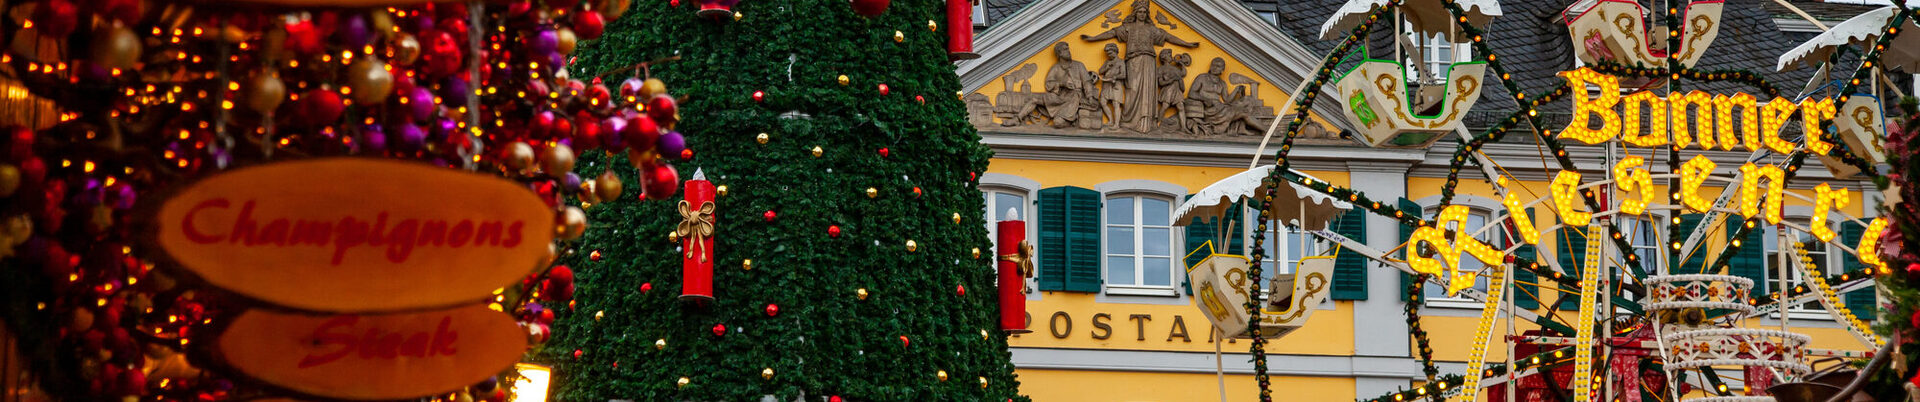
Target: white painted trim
<point>1152,188</point>
<point>1140,186</point>
<point>1235,361</point>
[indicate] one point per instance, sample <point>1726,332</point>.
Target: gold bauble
<point>843,79</point>
<point>612,9</point>
<point>405,48</point>
<point>976,253</point>
<point>983,334</point>
<point>80,320</point>
<point>722,190</point>
<point>956,217</point>
<point>9,179</point>
<point>766,373</point>
<point>370,81</point>
<point>519,156</point>
<point>861,293</point>
<point>641,159</point>
<point>567,41</point>
<point>932,26</point>
<point>912,246</point>
<point>683,381</point>
<point>557,159</point>
<point>115,47</point>
<point>660,344</point>
<point>382,23</point>
<point>737,16</point>
<point>608,186</point>
<point>873,192</point>
<point>673,237</point>
<point>652,87</point>
<point>983,382</point>
<point>265,92</point>
<point>817,151</point>
<point>746,264</point>
<point>942,374</point>
<point>573,223</point>
<point>899,36</point>
<point>762,138</point>
<point>597,315</point>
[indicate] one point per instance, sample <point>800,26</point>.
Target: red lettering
<point>311,233</point>
<point>353,232</point>
<point>513,234</point>
<point>322,337</point>
<point>376,237</point>
<point>400,242</point>
<point>461,232</point>
<point>433,232</point>
<point>416,345</point>
<point>489,234</point>
<point>275,233</point>
<point>443,338</point>
<point>243,227</point>
<point>186,224</point>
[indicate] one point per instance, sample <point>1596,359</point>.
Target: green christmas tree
<point>851,261</point>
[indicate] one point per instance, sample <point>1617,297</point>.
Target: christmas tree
<point>849,257</point>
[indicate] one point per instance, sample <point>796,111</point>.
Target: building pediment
<point>1175,69</point>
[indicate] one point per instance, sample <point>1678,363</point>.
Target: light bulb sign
<point>1677,121</point>
<point>373,357</point>
<point>357,235</point>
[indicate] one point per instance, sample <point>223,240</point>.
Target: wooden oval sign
<point>384,356</point>
<point>350,234</point>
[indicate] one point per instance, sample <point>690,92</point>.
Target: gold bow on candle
<point>1022,258</point>
<point>696,226</point>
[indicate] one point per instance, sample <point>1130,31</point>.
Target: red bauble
<point>443,54</point>
<point>662,181</point>
<point>883,90</point>
<point>561,128</point>
<point>19,143</point>
<point>759,96</point>
<point>870,7</point>
<point>904,342</point>
<point>56,18</point>
<point>595,256</point>
<point>719,329</point>
<point>883,152</point>
<point>773,310</point>
<point>588,25</point>
<point>646,287</point>
<point>322,106</point>
<point>577,353</point>
<point>546,317</point>
<point>769,215</point>
<point>303,39</point>
<point>961,290</point>
<point>686,154</point>
<point>663,109</point>
<point>641,132</point>
<point>921,99</point>
<point>916,194</point>
<point>560,283</point>
<point>587,135</point>
<point>133,382</point>
<point>598,96</point>
<point>833,231</point>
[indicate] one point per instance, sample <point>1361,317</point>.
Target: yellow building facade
<point>1098,185</point>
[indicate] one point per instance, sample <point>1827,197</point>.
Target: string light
<point>1564,188</point>
<point>1773,117</point>
<point>1693,174</point>
<point>1812,113</point>
<point>1750,200</point>
<point>1630,119</point>
<point>1601,105</point>
<point>1702,121</point>
<point>1522,221</point>
<point>1634,179</point>
<point>1724,108</point>
<point>1825,199</point>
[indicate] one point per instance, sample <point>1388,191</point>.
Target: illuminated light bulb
<point>1870,243</point>
<point>1825,199</point>
<point>1750,198</point>
<point>1812,112</point>
<point>1772,118</point>
<point>1630,119</point>
<point>1693,174</point>
<point>1528,231</point>
<point>1633,179</point>
<point>1563,187</point>
<point>1749,134</point>
<point>1584,109</point>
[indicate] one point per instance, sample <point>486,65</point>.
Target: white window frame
<point>1139,227</point>
<point>1429,48</point>
<point>1029,190</point>
<point>1175,195</point>
<point>1486,216</point>
<point>1281,258</point>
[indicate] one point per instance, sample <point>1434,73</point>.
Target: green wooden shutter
<point>1069,239</point>
<point>1526,296</point>
<point>1696,263</point>
<point>1570,252</point>
<point>1406,233</point>
<point>1350,269</point>
<point>1862,301</point>
<point>1751,261</point>
<point>1199,232</point>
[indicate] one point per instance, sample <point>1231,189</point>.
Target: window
<point>1816,250</point>
<point>1644,236</point>
<point>1139,244</point>
<point>1435,54</point>
<point>1283,252</point>
<point>1477,219</point>
<point>1004,204</point>
<point>979,13</point>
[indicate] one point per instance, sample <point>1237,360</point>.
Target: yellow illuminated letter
<point>1601,105</point>
<point>1723,107</point>
<point>1813,112</point>
<point>1632,178</point>
<point>1521,221</point>
<point>1773,117</point>
<point>1692,175</point>
<point>1825,199</point>
<point>1750,197</point>
<point>1566,185</point>
<point>1701,123</point>
<point>1656,134</point>
<point>1869,248</point>
<point>1451,218</point>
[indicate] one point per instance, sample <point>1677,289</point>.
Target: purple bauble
<point>441,128</point>
<point>122,195</point>
<point>373,139</point>
<point>543,43</point>
<point>409,137</point>
<point>610,139</point>
<point>353,32</point>
<point>557,60</point>
<point>670,144</point>
<point>631,87</point>
<point>454,88</point>
<point>570,181</point>
<point>421,103</point>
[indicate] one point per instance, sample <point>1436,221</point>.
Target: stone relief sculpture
<point>1141,88</point>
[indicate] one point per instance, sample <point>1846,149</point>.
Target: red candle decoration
<point>696,239</point>
<point>960,30</point>
<point>717,10</point>
<point>1016,263</point>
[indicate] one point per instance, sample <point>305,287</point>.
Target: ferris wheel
<point>1664,276</point>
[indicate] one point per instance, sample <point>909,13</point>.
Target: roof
<point>1824,11</point>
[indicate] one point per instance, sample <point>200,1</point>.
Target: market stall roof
<point>1288,204</point>
<point>1861,30</point>
<point>1428,17</point>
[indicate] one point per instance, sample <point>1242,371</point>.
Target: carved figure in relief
<point>1066,84</point>
<point>1173,87</point>
<point>1141,36</point>
<point>1112,75</point>
<point>1205,98</point>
